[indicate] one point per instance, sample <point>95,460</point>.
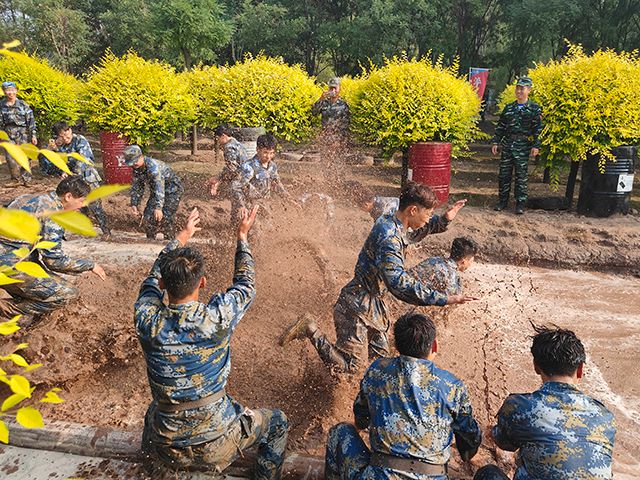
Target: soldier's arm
<point>506,432</point>
<point>465,428</point>
<point>157,185</point>
<point>361,413</point>
<point>317,107</point>
<point>239,184</point>
<point>31,123</point>
<point>54,258</point>
<point>501,128</point>
<point>137,189</point>
<point>150,288</point>
<point>233,304</point>
<point>401,284</point>
<point>84,148</point>
<point>437,224</point>
<point>536,127</point>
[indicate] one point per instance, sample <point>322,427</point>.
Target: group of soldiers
<point>412,409</point>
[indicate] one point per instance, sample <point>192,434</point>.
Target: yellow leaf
<point>32,269</point>
<point>21,252</point>
<point>12,401</point>
<point>9,327</point>
<point>21,346</point>
<point>5,280</point>
<point>57,159</point>
<point>82,158</point>
<point>17,154</point>
<point>51,397</point>
<point>33,366</point>
<point>17,359</point>
<point>31,150</point>
<point>105,191</point>
<point>75,222</point>
<point>2,372</point>
<point>19,384</point>
<point>29,417</point>
<point>19,225</point>
<point>4,432</point>
<point>44,245</point>
<point>4,136</point>
<point>11,44</point>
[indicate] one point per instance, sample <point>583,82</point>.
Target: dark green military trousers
<point>514,157</point>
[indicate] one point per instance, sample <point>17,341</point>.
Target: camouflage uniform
<point>254,185</point>
<point>440,273</point>
<point>517,132</point>
<point>36,296</point>
<point>18,122</point>
<point>360,313</point>
<point>187,352</point>
<point>165,192</point>
<point>89,173</point>
<point>559,433</point>
<point>413,410</point>
<point>335,124</point>
<point>235,155</point>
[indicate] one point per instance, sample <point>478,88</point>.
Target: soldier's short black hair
<point>463,247</point>
<point>417,194</point>
<point>181,270</point>
<point>414,335</point>
<point>267,141</point>
<point>557,351</point>
<point>75,185</point>
<point>223,129</point>
<point>59,127</point>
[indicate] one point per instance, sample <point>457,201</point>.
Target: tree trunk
<point>546,176</point>
<point>571,183</point>
<point>194,140</point>
<point>405,167</point>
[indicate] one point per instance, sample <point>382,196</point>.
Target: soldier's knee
<point>66,292</point>
<point>342,430</point>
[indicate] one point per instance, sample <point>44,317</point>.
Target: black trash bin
<point>605,193</point>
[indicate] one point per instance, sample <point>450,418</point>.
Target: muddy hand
<point>454,209</point>
<point>190,228</point>
<point>246,222</point>
<point>99,271</point>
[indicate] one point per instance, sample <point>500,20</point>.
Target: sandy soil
<point>90,349</point>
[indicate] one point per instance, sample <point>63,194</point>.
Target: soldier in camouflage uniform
<point>165,191</point>
<point>257,179</point>
<point>235,155</point>
<point>413,411</point>
<point>17,120</point>
<point>518,135</point>
<point>67,142</point>
<point>558,431</point>
<point>33,297</point>
<point>443,273</point>
<point>333,109</point>
<point>360,314</point>
<point>192,423</point>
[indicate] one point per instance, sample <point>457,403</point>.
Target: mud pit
<point>90,348</point>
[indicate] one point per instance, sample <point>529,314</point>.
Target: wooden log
<point>78,439</point>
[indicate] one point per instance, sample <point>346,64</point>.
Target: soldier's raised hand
<point>534,152</point>
<point>246,222</point>
<point>453,210</point>
<point>190,228</point>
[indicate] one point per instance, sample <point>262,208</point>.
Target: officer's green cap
<point>334,82</point>
<point>6,85</point>
<point>131,155</point>
<point>524,82</point>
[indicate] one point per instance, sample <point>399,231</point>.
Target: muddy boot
<point>7,309</point>
<point>519,208</point>
<point>305,326</point>
<point>501,205</point>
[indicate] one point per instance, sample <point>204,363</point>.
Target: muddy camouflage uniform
<point>36,296</point>
<point>440,273</point>
<point>165,191</point>
<point>254,186</point>
<point>18,122</point>
<point>413,410</point>
<point>559,433</point>
<point>89,173</point>
<point>188,357</point>
<point>235,155</point>
<point>517,132</point>
<point>360,314</point>
<point>335,115</point>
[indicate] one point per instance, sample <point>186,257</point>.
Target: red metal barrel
<point>430,164</point>
<point>113,145</point>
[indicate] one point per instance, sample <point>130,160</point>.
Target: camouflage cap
<point>131,154</point>
<point>334,82</point>
<point>6,85</point>
<point>524,82</point>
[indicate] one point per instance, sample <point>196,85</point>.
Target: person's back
<point>558,431</point>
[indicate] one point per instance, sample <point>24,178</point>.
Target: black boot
<point>519,208</point>
<point>501,205</point>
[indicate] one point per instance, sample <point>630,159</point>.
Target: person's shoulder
<point>81,138</point>
<point>534,106</point>
<point>448,377</point>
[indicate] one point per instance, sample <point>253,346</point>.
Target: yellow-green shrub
<point>262,91</point>
<point>52,94</point>
<point>199,79</point>
<point>588,103</point>
<point>408,101</point>
<point>350,87</point>
<point>507,96</point>
<point>139,98</point>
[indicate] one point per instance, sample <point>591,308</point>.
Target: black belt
<point>166,407</point>
<point>518,136</point>
<point>406,464</point>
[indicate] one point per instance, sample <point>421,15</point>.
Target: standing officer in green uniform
<point>518,135</point>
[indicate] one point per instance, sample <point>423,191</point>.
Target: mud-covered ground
<point>90,350</point>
